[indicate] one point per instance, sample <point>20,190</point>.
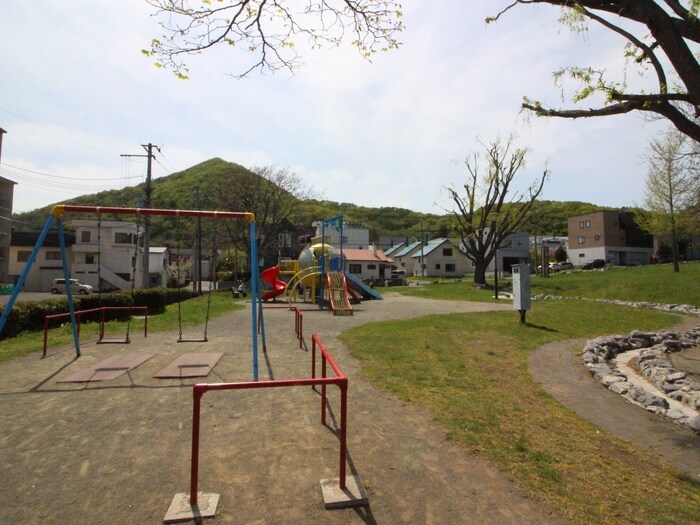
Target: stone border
<point>600,358</point>
<point>686,309</point>
<point>673,395</point>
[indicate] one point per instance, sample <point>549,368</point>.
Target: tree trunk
<point>480,274</point>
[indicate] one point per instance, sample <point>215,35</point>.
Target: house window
<point>123,238</point>
<point>597,237</point>
<point>450,268</point>
<point>581,239</point>
<point>355,268</point>
<point>447,252</point>
<point>371,266</point>
<point>23,255</point>
<point>53,256</point>
<point>85,236</point>
<point>437,266</point>
<point>581,225</point>
<point>89,258</point>
<point>588,224</point>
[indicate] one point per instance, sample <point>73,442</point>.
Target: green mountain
<point>191,189</point>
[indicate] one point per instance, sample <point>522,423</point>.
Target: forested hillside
<point>193,188</point>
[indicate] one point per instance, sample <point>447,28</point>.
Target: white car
<point>59,286</point>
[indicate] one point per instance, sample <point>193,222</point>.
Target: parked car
<point>560,267</point>
<point>595,263</point>
<point>59,286</point>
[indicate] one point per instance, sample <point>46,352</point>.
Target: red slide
<point>270,277</point>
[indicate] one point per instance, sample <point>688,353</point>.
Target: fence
<point>101,310</point>
<point>340,380</point>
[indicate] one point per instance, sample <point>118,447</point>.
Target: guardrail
<point>339,380</point>
<point>101,310</point>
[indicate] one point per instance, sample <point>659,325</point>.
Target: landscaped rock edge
<point>599,357</point>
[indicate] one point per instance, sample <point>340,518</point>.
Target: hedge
<point>28,316</point>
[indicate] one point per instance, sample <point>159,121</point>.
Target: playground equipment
<point>56,216</point>
<point>270,276</point>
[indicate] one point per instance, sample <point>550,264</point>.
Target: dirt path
<point>558,368</point>
<point>117,452</point>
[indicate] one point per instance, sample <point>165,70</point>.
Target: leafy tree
<point>560,254</point>
<point>670,187</point>
<point>661,36</point>
<point>268,29</point>
<point>483,219</point>
<point>272,194</point>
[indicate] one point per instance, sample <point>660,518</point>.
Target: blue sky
<point>76,92</point>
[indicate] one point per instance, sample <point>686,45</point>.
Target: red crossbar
<point>340,380</point>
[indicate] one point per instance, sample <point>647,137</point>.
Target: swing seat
<point>113,341</point>
<point>192,340</point>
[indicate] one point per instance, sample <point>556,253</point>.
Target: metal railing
<point>339,380</point>
<point>101,311</point>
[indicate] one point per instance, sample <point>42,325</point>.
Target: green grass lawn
<point>470,370</point>
<point>192,313</point>
<point>655,283</point>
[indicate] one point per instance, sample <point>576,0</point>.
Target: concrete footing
<point>181,510</point>
<point>353,495</point>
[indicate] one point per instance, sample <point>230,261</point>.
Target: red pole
<point>194,471</point>
<point>46,334</point>
<point>323,389</point>
<point>343,429</point>
<point>301,329</point>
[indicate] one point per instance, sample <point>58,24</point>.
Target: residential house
<point>7,189</point>
<point>158,259</point>
<point>354,235</point>
<point>110,249</point>
<point>395,249</point>
<point>440,258</point>
<point>609,235</point>
<point>387,243</point>
<point>48,264</point>
<point>515,249</point>
<point>403,258</point>
<point>367,265</point>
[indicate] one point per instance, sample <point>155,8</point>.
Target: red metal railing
<point>101,310</point>
<point>340,380</point>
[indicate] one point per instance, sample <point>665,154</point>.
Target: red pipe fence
<point>340,380</point>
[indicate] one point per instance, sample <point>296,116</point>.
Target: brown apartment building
<point>609,235</point>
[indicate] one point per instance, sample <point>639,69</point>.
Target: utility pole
<point>2,132</point>
<point>148,204</point>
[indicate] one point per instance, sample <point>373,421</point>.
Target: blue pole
<point>254,293</point>
<point>69,291</point>
<point>25,272</point>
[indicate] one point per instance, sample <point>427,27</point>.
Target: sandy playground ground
<point>117,451</point>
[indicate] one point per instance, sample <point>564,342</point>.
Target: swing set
<point>56,216</point>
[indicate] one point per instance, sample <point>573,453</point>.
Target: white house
<point>110,247</point>
<point>368,264</point>
<point>48,264</point>
<point>403,259</point>
<point>354,236</point>
<point>158,260</point>
<point>440,258</point>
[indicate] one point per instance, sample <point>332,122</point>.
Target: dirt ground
<point>116,452</point>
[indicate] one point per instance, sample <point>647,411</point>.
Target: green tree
<point>483,217</point>
<point>273,195</point>
<point>670,187</point>
<point>661,36</point>
<point>268,29</point>
<point>560,254</point>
